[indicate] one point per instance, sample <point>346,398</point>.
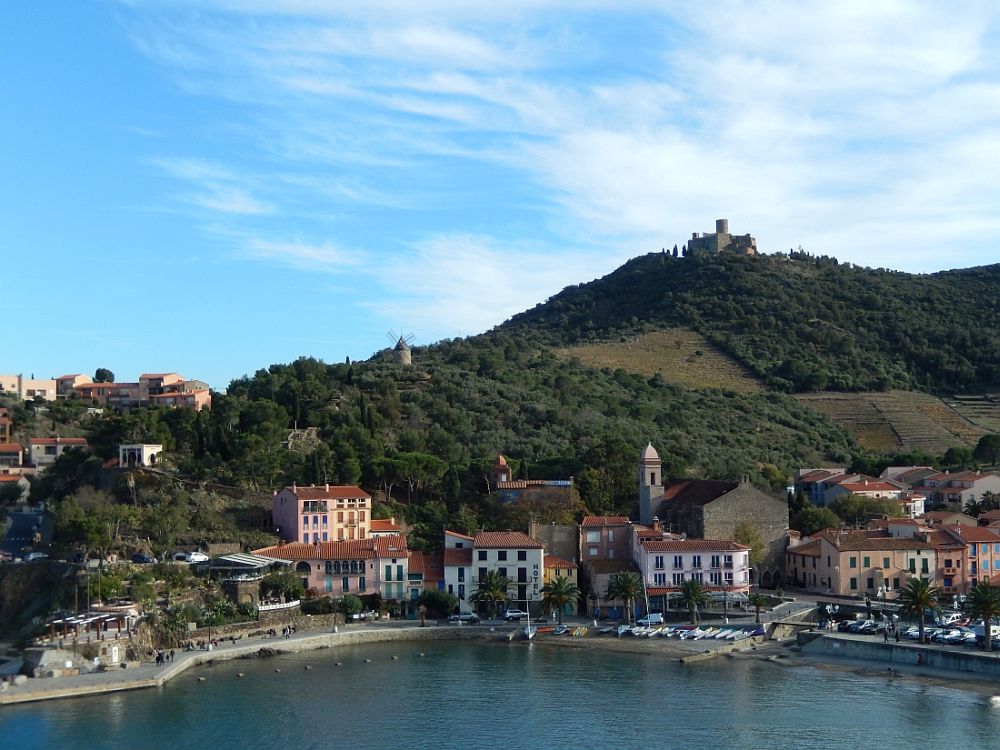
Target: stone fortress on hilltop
<point>721,241</point>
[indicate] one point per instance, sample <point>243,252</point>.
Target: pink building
<point>324,513</point>
<point>360,567</point>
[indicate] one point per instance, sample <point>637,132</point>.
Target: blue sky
<point>210,187</point>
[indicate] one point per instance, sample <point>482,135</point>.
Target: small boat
<point>560,630</point>
<point>529,630</point>
<point>623,629</point>
<point>606,630</point>
<point>653,633</point>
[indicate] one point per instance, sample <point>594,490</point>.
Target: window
<point>336,567</point>
<point>985,549</point>
<point>482,554</point>
<point>715,578</point>
<point>326,537</point>
<point>388,573</point>
<point>593,537</point>
<point>729,577</point>
<point>345,584</point>
<point>305,522</point>
<point>871,583</point>
<point>305,538</point>
<point>947,563</point>
<point>996,548</point>
<point>696,561</point>
<point>996,565</point>
<point>659,579</point>
<point>678,579</point>
<point>678,561</point>
<point>522,555</point>
<point>895,583</point>
<point>461,591</point>
<point>658,562</point>
<point>326,522</point>
<point>611,535</point>
<point>503,572</point>
<point>329,585</point>
<point>729,561</point>
<point>972,550</point>
<point>315,520</point>
<point>699,577</point>
<point>329,567</point>
<point>923,566</point>
<point>361,583</point>
<point>461,574</point>
<point>482,573</point>
<point>611,554</point>
<point>866,562</point>
<point>340,516</point>
<point>715,561</point>
<point>947,582</point>
<point>592,551</point>
<point>852,562</point>
<point>854,584</point>
<point>913,566</point>
<point>522,575</point>
<point>522,594</point>
<point>501,554</point>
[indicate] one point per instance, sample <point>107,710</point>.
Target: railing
<point>279,605</point>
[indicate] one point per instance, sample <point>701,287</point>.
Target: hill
<point>798,323</point>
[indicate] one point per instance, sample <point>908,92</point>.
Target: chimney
<point>327,486</point>
<point>294,488</point>
<point>655,524</point>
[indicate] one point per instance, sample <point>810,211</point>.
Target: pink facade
<point>360,567</point>
<point>324,513</point>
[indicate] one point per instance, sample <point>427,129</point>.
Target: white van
<point>653,618</point>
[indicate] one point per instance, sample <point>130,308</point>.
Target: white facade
<point>139,455</point>
<point>512,553</point>
<point>458,568</point>
<point>718,565</point>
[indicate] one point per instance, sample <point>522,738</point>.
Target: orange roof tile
<point>58,441</point>
<point>693,545</point>
<point>505,540</point>
<point>10,447</point>
<point>331,492</point>
<point>454,556</point>
<point>591,521</point>
<point>551,561</point>
<point>11,478</point>
<point>359,549</point>
<point>383,525</point>
<point>808,549</point>
<point>449,532</point>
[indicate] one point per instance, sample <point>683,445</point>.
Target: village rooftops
<point>974,534</point>
<point>696,491</point>
<point>358,549</point>
<point>383,526</point>
<point>453,556</point>
<point>692,545</point>
<point>853,541</point>
<point>58,441</point>
<point>553,561</point>
<point>11,448</point>
<point>592,521</point>
<point>505,540</point>
<point>458,535</point>
<point>328,492</point>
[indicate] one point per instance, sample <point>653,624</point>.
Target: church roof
<point>649,454</point>
<point>696,491</point>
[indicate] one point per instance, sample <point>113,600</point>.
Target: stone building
<point>721,241</point>
<point>712,509</point>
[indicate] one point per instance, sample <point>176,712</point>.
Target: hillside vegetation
<point>799,323</point>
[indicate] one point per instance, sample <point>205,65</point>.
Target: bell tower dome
<point>650,483</point>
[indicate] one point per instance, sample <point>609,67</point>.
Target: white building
<point>139,455</point>
<point>720,565</point>
<point>513,554</point>
<point>45,451</point>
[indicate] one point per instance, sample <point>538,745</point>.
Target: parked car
<point>514,615</point>
<point>196,557</point>
<point>470,617</point>
<point>141,558</point>
<point>653,618</point>
<point>32,556</point>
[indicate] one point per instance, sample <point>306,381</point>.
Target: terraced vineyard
<point>981,410</point>
<point>679,355</point>
<point>898,420</point>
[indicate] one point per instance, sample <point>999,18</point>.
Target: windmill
<point>401,353</point>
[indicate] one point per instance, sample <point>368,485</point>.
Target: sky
<point>212,186</point>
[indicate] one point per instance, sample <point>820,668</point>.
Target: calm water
<point>508,697</point>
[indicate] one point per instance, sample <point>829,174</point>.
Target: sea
<point>448,694</point>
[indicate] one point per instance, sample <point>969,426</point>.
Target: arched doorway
<point>304,569</point>
<point>765,580</point>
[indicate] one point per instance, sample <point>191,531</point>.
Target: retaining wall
<point>955,659</point>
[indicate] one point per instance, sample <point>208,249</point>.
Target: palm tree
<point>984,601</point>
<point>492,589</point>
<point>626,586</point>
<point>757,601</point>
<point>918,597</point>
<point>559,592</point>
<point>694,595</point>
<point>975,508</point>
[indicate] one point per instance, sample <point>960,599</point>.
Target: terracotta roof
<point>941,538</point>
<point>505,540</point>
<point>148,375</point>
<point>454,556</point>
<point>696,491</point>
<point>449,532</point>
<point>946,516</point>
<point>990,515</point>
<point>590,521</point>
<point>358,549</point>
<point>383,525</point>
<point>74,375</point>
<point>809,549</point>
<point>58,441</point>
<point>817,475</point>
<point>693,545</point>
<point>331,492</point>
<point>10,447</point>
<point>974,533</point>
<point>11,477</point>
<point>501,461</point>
<point>551,561</point>
<point>433,567</point>
<point>854,541</point>
<point>416,564</point>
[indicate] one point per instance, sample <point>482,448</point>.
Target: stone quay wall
<point>909,654</point>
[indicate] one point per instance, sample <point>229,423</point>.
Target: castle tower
<point>650,484</point>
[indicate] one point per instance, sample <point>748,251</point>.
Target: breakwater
<point>150,676</point>
<point>933,657</point>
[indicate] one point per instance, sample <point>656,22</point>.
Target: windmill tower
<point>401,352</point>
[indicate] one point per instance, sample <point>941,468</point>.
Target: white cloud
<point>306,256</point>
